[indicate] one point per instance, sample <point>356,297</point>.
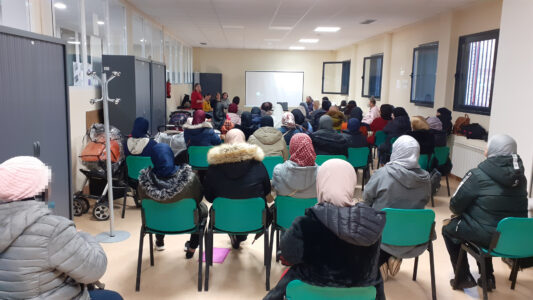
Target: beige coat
<point>271,141</point>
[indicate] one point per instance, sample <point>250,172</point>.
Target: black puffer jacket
<point>333,246</point>
<point>495,190</point>
<point>328,141</point>
<point>441,139</point>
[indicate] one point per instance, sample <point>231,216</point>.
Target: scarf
<point>198,117</point>
<point>405,152</point>
<point>335,183</point>
<point>302,150</point>
<point>163,160</point>
<point>140,127</point>
<point>235,136</point>
<point>501,145</point>
<point>288,120</point>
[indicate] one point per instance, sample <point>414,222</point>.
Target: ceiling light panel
<point>296,48</point>
<point>60,5</point>
<point>327,29</point>
<point>309,41</point>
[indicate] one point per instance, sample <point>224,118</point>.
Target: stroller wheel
<point>101,211</point>
<point>77,205</point>
<point>85,204</point>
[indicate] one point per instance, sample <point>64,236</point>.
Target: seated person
<point>139,144</point>
<point>445,117</point>
<point>236,100</point>
<point>401,183</point>
<point>399,125</point>
<point>42,255</point>
<point>233,114</point>
<point>318,113</point>
<point>269,139</point>
<point>266,109</point>
<point>353,136</point>
<point>380,122</point>
<point>343,105</point>
<point>301,122</point>
<point>337,242</point>
<point>219,115</point>
<point>422,135</point>
<point>288,127</point>
<point>493,191</point>
<point>372,114</point>
<point>296,177</point>
<point>236,171</point>
<point>328,141</point>
<point>200,132</point>
<point>256,116</point>
<point>435,127</point>
<point>169,183</point>
<point>206,106</point>
<point>336,116</point>
<point>247,126</point>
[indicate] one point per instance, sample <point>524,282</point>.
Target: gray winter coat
<point>290,179</point>
<point>394,186</point>
<point>42,256</point>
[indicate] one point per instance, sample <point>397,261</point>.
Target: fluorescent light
<point>309,41</point>
<point>296,48</point>
<point>327,29</point>
<point>73,42</point>
<point>100,22</point>
<point>60,5</point>
<point>233,27</point>
<point>280,28</point>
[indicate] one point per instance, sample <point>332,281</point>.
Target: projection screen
<point>274,86</point>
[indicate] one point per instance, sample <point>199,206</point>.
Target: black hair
<point>266,106</point>
<point>236,100</point>
<point>325,99</point>
<point>343,103</point>
<point>326,105</point>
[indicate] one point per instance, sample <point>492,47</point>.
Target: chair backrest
<point>288,208</point>
<point>298,290</point>
<point>320,159</point>
<point>380,138</point>
<point>392,140</point>
<point>136,164</point>
<point>289,151</point>
<point>270,162</point>
<point>515,237</point>
<point>358,157</point>
<point>198,156</point>
<point>407,227</point>
<point>441,154</point>
<point>169,217</point>
<point>423,161</point>
<point>238,215</point>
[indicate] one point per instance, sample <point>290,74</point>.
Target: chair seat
<point>216,230</point>
<point>192,230</point>
<point>496,254</point>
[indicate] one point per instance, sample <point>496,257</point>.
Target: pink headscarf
<point>335,183</point>
<point>302,150</point>
<point>235,136</point>
<point>288,120</point>
<point>23,177</point>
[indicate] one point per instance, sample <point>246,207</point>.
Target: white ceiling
<point>248,23</point>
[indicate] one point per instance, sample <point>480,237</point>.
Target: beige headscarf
<point>235,136</point>
<point>335,183</point>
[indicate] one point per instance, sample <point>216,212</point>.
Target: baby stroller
<point>93,157</point>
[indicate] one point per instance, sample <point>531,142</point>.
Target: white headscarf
<point>335,183</point>
<point>277,115</point>
<point>405,152</point>
<point>501,145</point>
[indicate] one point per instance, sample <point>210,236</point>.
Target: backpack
<point>459,123</point>
<point>474,131</point>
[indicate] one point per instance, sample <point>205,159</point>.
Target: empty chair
<point>298,290</point>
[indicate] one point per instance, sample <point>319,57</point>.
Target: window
<point>157,44</point>
<point>336,77</point>
<point>117,42</point>
<point>424,74</point>
<point>15,13</point>
<point>96,36</point>
<point>474,78</point>
<point>67,26</point>
<point>372,70</point>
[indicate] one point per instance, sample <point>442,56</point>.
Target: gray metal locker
<point>34,106</point>
<point>159,101</point>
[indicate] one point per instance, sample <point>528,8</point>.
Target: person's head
<point>352,103</point>
<point>304,109</point>
<point>198,117</point>
<point>398,112</point>
<point>325,99</point>
<point>316,104</point>
<point>266,106</point>
<point>288,120</point>
<point>372,102</point>
<point>357,113</point>
<point>236,99</point>
<point>308,99</point>
<point>302,150</point>
<point>326,105</point>
<point>256,110</point>
<point>246,119</point>
<point>235,136</point>
<point>198,88</point>
<point>325,122</point>
<point>386,111</point>
<point>353,125</point>
<point>343,103</point>
<point>207,97</point>
<point>501,145</point>
<point>444,112</point>
<point>140,128</point>
<point>419,123</point>
<point>335,183</point>
<point>405,152</point>
<point>217,96</point>
<point>233,108</point>
<point>224,96</point>
<point>333,108</point>
<point>434,123</point>
<point>299,117</point>
<point>267,121</point>
<point>23,177</point>
<point>163,160</point>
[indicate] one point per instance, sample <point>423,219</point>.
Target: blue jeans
<point>104,295</point>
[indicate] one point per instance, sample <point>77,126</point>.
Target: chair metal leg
<point>514,273</point>
<point>448,185</point>
<point>277,244</point>
<point>124,205</point>
<point>484,277</point>
<point>268,259</point>
<point>151,249</point>
<point>432,201</point>
<point>363,183</point>
<point>208,251</point>
<point>432,270</point>
<point>415,269</point>
<point>139,262</point>
<point>462,254</point>
<point>200,259</point>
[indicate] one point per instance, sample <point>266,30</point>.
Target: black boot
<point>469,282</point>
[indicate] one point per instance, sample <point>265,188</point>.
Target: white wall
<point>512,104</point>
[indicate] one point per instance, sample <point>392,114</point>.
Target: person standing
<point>197,101</point>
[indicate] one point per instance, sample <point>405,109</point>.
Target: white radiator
<point>466,154</point>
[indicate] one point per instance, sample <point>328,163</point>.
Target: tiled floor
<point>242,275</point>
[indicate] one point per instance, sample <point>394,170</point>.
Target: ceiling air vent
<point>368,21</point>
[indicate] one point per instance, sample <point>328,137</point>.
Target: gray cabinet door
<point>142,89</point>
<point>159,105</point>
<point>34,108</point>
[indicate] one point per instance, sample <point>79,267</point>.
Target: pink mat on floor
<point>219,255</point>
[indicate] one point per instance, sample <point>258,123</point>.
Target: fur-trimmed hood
<point>234,153</point>
<point>197,126</point>
<point>164,189</point>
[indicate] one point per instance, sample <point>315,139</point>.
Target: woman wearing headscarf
<point>139,144</point>
<point>219,115</point>
<point>493,191</point>
<point>233,110</point>
<point>247,126</point>
<point>379,123</point>
<point>435,127</point>
<point>343,105</point>
<point>166,182</point>
<point>42,255</point>
<point>318,113</point>
<point>445,116</point>
<point>401,183</point>
<point>296,177</point>
<point>351,105</point>
<point>336,116</point>
<point>236,171</point>
<point>277,115</point>
<point>305,110</point>
<point>331,245</point>
<point>327,141</point>
<point>269,139</point>
<point>399,125</point>
<point>422,135</point>
<point>200,132</point>
<point>289,127</point>
<point>300,120</point>
<point>353,136</point>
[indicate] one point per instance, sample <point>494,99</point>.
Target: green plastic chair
<point>441,155</point>
<point>392,140</point>
<point>320,159</point>
<point>181,217</point>
<point>271,162</point>
<point>380,138</point>
<point>237,217</point>
<point>135,164</point>
<point>512,240</point>
<point>411,227</point>
<point>423,161</point>
<point>198,157</point>
<point>358,158</point>
<point>298,290</point>
<point>286,209</point>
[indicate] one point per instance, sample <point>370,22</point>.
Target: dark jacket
<point>256,116</point>
<point>441,139</point>
<point>288,133</point>
<point>425,139</point>
<point>236,171</point>
<point>139,146</point>
<point>354,139</point>
<point>219,115</point>
<point>397,127</point>
<point>329,142</point>
<point>333,246</point>
<point>247,126</point>
<point>200,135</point>
<point>315,118</point>
<point>489,193</point>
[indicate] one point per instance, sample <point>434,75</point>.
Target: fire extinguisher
<point>168,88</point>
